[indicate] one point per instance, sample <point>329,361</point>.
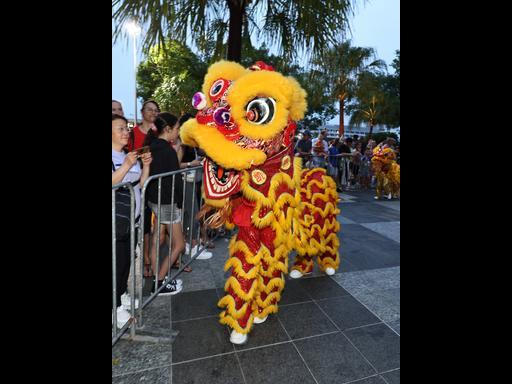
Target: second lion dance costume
<point>246,125</point>
<point>387,172</point>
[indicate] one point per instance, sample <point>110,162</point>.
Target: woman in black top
<point>165,159</point>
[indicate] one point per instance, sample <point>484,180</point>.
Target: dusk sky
<point>376,24</point>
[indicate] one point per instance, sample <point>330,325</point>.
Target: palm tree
<point>369,101</point>
<point>305,26</point>
<point>170,79</point>
<point>341,66</point>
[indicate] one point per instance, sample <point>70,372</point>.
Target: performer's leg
<point>329,261</point>
<point>242,285</point>
<point>273,266</point>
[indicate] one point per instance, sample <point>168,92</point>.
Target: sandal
<point>209,244</point>
<point>187,269</point>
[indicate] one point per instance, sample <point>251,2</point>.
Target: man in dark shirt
<point>304,146</point>
<point>345,146</point>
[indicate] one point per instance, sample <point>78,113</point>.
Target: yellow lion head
<point>382,158</point>
<point>244,116</point>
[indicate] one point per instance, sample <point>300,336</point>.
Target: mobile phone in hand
<point>142,150</point>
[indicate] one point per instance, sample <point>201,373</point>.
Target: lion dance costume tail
<point>316,224</point>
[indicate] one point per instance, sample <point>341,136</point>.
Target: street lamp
<point>134,30</point>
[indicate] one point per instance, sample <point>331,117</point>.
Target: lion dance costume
<point>387,172</point>
<point>246,124</point>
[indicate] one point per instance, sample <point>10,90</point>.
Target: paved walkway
<point>339,329</point>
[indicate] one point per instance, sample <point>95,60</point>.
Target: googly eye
<point>218,88</point>
<point>260,110</point>
<point>222,116</point>
<point>199,101</point>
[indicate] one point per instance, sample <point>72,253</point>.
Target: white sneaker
<point>295,274</point>
<point>123,316</point>
<point>238,338</point>
<point>257,320</point>
<point>126,302</point>
<point>194,250</point>
<point>204,255</point>
<point>390,196</point>
<point>376,197</point>
<point>330,271</point>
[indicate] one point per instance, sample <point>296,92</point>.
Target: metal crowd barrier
<point>137,320</point>
<point>339,167</point>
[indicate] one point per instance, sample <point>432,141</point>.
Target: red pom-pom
<point>261,66</point>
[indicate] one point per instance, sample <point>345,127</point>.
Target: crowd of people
<point>154,148</point>
<point>346,159</point>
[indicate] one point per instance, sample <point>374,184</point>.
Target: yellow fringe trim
<point>266,311</point>
<point>239,246</point>
<point>276,282</point>
<point>328,195</point>
<point>236,264</point>
<point>310,172</point>
<point>217,147</point>
<point>233,323</point>
<point>298,266</point>
<point>274,296</point>
<point>328,262</point>
<point>234,284</point>
<point>229,225</point>
<point>329,226</point>
<point>229,303</point>
<point>297,170</point>
<point>329,209</point>
<point>278,266</point>
<point>325,184</point>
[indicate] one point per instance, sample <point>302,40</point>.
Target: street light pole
<point>135,75</point>
<point>133,29</point>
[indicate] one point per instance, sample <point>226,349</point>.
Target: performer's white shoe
<point>390,196</point>
<point>238,338</point>
<point>330,271</point>
<point>257,320</point>
<point>295,274</point>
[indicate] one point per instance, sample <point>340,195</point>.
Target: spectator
<point>117,108</point>
<point>125,168</point>
<point>355,163</point>
<point>150,110</point>
<point>320,150</point>
<point>333,163</point>
<point>322,139</point>
<point>165,131</point>
<point>364,170</point>
<point>345,151</point>
<point>345,146</point>
<point>304,146</point>
<point>390,142</point>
